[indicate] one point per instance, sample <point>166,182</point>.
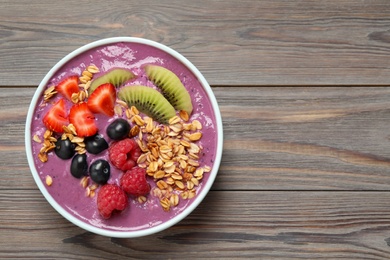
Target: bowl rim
<point>212,175</point>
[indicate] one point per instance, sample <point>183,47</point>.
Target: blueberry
<point>95,144</point>
<point>118,129</point>
<point>64,149</point>
<point>79,166</point>
<point>99,171</point>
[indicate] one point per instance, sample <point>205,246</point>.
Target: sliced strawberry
<point>56,117</point>
<point>102,99</point>
<point>83,120</point>
<point>68,86</point>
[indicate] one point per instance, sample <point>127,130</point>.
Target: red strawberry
<point>111,198</point>
<point>83,120</point>
<point>68,86</point>
<point>134,182</point>
<point>56,117</point>
<point>102,99</point>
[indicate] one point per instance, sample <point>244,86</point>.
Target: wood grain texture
<point>277,225</point>
<point>321,138</point>
<point>303,88</point>
<point>245,42</point>
<point>283,190</point>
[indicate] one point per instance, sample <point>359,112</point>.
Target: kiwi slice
<point>117,77</point>
<point>149,101</point>
<point>171,87</point>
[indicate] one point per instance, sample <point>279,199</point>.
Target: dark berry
<point>79,166</point>
<point>99,171</point>
<point>118,129</point>
<point>64,149</point>
<point>95,144</point>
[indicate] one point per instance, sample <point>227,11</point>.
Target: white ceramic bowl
<point>88,226</point>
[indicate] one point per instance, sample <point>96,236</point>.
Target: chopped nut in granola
<point>49,180</point>
<point>170,155</point>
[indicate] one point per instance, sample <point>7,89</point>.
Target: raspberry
<point>134,182</point>
<point>111,198</point>
<point>124,154</point>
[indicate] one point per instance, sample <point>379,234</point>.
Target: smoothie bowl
<point>124,137</point>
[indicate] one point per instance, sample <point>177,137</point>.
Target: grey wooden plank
<point>232,42</point>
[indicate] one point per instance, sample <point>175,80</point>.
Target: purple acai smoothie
<point>66,189</point>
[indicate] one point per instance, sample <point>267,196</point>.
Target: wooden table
<point>303,87</point>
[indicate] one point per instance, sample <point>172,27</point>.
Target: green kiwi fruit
<point>149,101</point>
<point>117,77</point>
<point>171,87</point>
